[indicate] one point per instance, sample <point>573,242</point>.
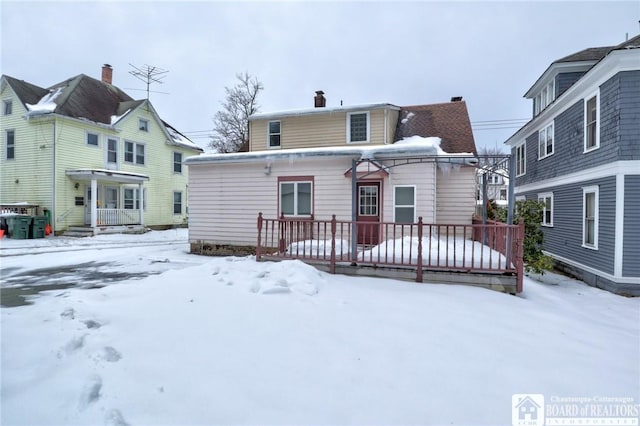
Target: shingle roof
<point>597,53</point>
<point>86,97</point>
<point>27,93</point>
<point>448,121</point>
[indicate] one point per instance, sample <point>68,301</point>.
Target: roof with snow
<point>84,97</point>
<point>320,110</point>
<point>447,121</point>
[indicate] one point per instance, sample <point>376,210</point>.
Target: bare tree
<point>231,124</point>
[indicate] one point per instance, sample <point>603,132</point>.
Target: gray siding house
<point>580,155</point>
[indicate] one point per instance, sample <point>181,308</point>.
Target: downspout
<point>354,207</point>
<point>53,182</point>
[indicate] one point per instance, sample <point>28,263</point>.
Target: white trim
<point>615,278</point>
<point>627,167</point>
<point>323,110</point>
<point>614,63</point>
<point>523,148</point>
<point>542,197</point>
<point>86,138</point>
<point>405,206</point>
<point>558,68</point>
<point>544,129</point>
<point>593,189</point>
<point>619,226</point>
<point>295,198</point>
<point>596,145</point>
<point>135,153</point>
<point>368,115</point>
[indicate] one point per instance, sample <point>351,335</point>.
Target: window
<point>521,159</point>
<point>177,202</point>
<point>547,210</point>
<point>10,141</point>
<point>545,142</point>
<point>358,127</point>
<point>295,198</point>
<point>143,124</point>
<point>93,139</point>
<point>404,204</point>
<point>368,203</point>
<point>112,150</point>
<point>591,138</point>
<point>590,217</point>
<point>177,162</point>
<point>133,153</point>
<point>132,198</point>
<point>274,134</point>
<point>546,96</point>
<point>7,107</point>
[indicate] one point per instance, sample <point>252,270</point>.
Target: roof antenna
<point>148,74</point>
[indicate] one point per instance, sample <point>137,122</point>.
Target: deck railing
<point>488,248</point>
<point>112,217</point>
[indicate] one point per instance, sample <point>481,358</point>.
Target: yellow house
<point>90,157</point>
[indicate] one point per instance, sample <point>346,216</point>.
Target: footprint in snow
<point>115,418</point>
<point>72,346</point>
<point>68,314</point>
<point>110,354</point>
<point>91,391</point>
<point>92,324</point>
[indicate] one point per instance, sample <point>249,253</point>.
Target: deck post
<point>354,210</point>
<point>259,236</point>
<point>419,271</point>
<point>519,257</point>
<point>333,244</point>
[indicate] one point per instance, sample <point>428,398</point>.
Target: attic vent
<point>456,98</point>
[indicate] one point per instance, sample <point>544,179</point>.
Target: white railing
<point>118,217</point>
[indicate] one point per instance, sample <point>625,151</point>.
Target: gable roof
<point>448,121</point>
<point>27,93</point>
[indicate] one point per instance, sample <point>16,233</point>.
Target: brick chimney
<point>107,73</point>
<point>456,99</point>
<point>319,101</point>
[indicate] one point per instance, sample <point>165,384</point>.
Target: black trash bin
<point>36,230</point>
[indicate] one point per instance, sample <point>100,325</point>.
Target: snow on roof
<point>47,102</point>
<point>414,146</point>
<point>116,118</point>
<point>308,111</point>
<point>180,139</point>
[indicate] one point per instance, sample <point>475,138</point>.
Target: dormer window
<point>143,125</point>
<point>546,96</point>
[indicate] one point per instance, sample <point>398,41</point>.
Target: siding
<point>225,199</point>
<point>628,115</point>
<point>456,195</point>
<point>566,80</point>
<point>32,166</point>
<point>631,247</point>
<point>317,130</point>
<point>565,237</point>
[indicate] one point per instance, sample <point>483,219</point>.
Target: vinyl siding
<point>32,165</point>
<point>225,199</point>
<point>628,115</point>
<point>316,130</point>
<point>456,195</point>
<point>565,237</point>
<point>631,245</point>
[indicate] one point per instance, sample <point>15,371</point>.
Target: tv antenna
<point>148,74</point>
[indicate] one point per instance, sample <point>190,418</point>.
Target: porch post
<point>141,206</point>
<point>94,203</point>
<point>354,209</point>
<point>512,183</point>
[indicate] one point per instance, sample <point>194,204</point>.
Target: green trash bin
<point>18,226</point>
<point>36,230</point>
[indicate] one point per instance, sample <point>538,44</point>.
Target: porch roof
<point>108,175</point>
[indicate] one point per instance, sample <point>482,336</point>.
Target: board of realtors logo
<point>527,410</point>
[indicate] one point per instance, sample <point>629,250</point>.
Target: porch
<point>113,201</point>
<point>487,255</point>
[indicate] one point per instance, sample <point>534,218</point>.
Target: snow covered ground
<point>182,339</point>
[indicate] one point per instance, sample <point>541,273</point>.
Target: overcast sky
<point>404,53</point>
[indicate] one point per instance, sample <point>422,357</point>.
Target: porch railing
<point>490,248</point>
<point>112,217</point>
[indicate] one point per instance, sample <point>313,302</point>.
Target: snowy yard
<point>188,340</point>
